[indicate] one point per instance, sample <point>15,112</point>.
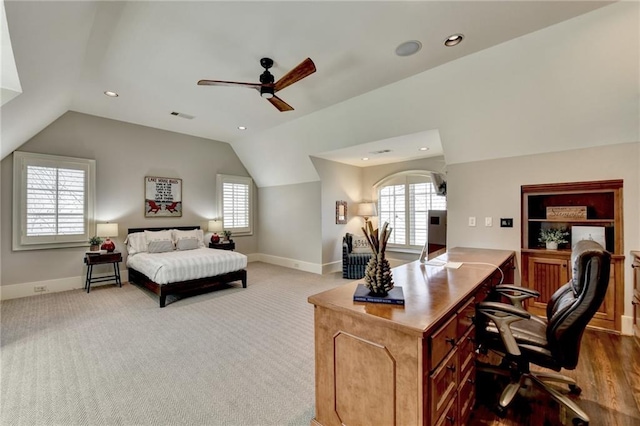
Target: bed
<point>157,273</point>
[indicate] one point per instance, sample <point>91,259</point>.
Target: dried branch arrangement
<point>377,276</point>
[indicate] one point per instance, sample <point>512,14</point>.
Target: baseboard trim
<point>290,263</point>
<point>16,291</point>
<point>332,267</point>
<point>626,325</point>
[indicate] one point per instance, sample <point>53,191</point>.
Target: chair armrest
<point>516,294</point>
<point>502,315</point>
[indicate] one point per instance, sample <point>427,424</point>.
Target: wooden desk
<point>380,364</point>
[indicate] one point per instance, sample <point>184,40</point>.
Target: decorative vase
<point>108,245</point>
<point>377,275</point>
<point>552,245</point>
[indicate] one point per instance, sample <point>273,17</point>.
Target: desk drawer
<point>442,341</point>
<point>466,316</point>
<point>467,395</point>
<point>467,353</point>
<point>450,417</point>
<point>443,384</point>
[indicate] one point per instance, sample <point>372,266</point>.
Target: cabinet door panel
<point>546,275</point>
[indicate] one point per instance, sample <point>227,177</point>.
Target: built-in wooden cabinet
<point>546,270</point>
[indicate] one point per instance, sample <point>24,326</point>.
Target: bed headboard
<point>163,228</point>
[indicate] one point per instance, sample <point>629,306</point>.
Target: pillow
<point>187,244</point>
<point>160,246</point>
<point>198,234</point>
<point>154,236</point>
<point>360,244</point>
<point>136,243</point>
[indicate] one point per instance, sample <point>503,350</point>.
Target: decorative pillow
<point>153,236</point>
<point>194,233</point>
<point>136,243</point>
<point>160,246</point>
<point>187,244</point>
<point>360,244</point>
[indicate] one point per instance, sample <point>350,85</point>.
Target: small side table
<point>100,258</point>
<point>223,246</point>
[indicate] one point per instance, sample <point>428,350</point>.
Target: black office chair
<point>553,343</point>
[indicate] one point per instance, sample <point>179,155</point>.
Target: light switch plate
<point>472,221</point>
<point>488,221</point>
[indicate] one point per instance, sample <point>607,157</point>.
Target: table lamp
<point>367,210</point>
<point>215,226</point>
<point>107,230</point>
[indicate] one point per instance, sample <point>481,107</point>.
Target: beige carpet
<point>113,357</point>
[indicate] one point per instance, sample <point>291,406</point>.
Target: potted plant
<point>95,243</point>
<point>227,234</point>
<point>552,237</point>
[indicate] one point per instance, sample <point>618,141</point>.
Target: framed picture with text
<point>163,197</point>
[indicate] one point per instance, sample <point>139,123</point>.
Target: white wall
<point>492,189</point>
<point>290,226</point>
<point>124,153</point>
<point>339,182</point>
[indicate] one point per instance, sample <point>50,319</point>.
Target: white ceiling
<point>153,54</point>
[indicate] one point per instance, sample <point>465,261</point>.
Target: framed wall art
<point>163,197</point>
<point>341,212</point>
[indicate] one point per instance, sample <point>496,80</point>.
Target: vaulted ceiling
<point>153,53</point>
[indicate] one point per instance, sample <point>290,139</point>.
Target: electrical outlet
<point>472,221</point>
<point>39,288</point>
<point>488,221</point>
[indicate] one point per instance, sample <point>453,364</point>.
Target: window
<point>404,201</point>
<point>53,201</point>
<point>235,202</point>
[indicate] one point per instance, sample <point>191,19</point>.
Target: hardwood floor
<point>608,372</point>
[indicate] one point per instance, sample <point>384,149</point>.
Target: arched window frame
<point>400,206</point>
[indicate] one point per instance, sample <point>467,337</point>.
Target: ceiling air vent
<point>382,151</point>
<point>181,115</point>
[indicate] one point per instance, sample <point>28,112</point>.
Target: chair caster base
<point>501,411</point>
<point>575,390</point>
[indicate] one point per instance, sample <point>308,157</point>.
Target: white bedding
<point>174,266</point>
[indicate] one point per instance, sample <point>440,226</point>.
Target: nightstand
<point>99,258</point>
<point>223,246</point>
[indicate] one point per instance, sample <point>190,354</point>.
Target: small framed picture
<point>341,212</point>
<point>595,233</point>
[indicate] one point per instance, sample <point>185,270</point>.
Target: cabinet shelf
<point>611,221</point>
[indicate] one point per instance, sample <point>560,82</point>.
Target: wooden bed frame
<point>182,287</point>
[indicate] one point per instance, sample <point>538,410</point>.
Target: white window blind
<point>404,201</point>
<point>235,201</point>
<point>53,201</point>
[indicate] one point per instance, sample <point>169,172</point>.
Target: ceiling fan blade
<point>304,69</point>
<point>280,104</point>
<point>229,83</point>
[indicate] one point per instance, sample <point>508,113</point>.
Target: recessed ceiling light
<point>111,94</point>
<point>453,40</point>
<point>408,48</point>
<point>424,148</point>
<point>242,128</point>
<point>365,158</point>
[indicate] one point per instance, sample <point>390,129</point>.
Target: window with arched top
<point>404,200</point>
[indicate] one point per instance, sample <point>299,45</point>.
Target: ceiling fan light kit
<point>267,87</point>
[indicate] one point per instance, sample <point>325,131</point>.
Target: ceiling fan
<point>267,87</point>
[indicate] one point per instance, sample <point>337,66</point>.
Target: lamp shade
<point>367,209</point>
<point>215,226</point>
<point>107,230</point>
